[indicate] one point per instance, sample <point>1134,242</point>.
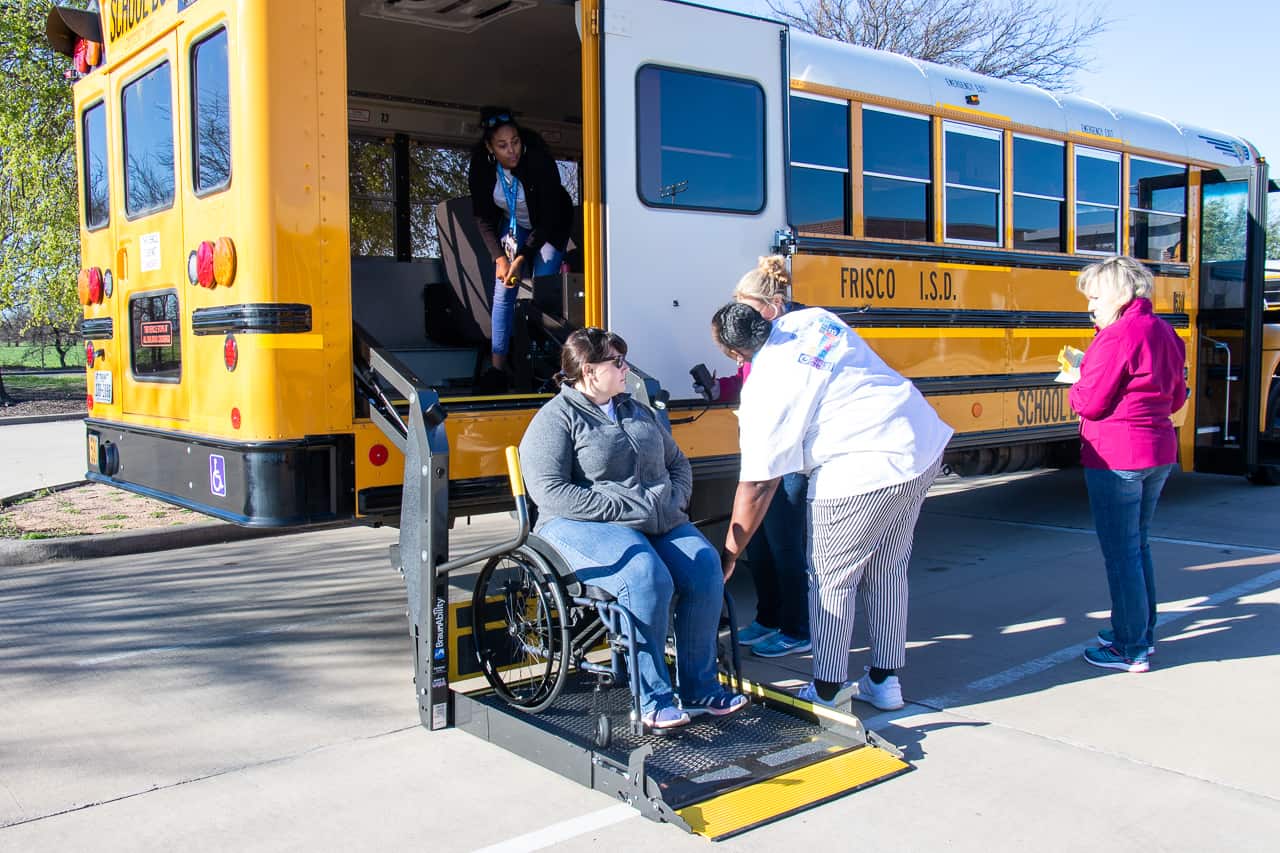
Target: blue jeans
<point>644,572</point>
<point>547,262</point>
<point>779,562</point>
<point>1123,503</point>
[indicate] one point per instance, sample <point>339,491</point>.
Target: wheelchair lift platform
<point>717,777</point>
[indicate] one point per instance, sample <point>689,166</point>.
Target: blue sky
<point>1216,65</point>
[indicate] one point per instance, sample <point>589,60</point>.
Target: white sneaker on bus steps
<point>887,695</point>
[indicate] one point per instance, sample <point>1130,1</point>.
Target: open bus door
<point>1231,393</point>
<point>693,103</point>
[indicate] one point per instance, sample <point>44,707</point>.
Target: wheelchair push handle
<point>522,516</point>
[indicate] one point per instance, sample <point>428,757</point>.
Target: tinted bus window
<point>1097,201</point>
<point>373,197</point>
<point>896,166</point>
<point>819,165</point>
<point>97,210</point>
<point>155,337</point>
<point>1039,194</point>
<point>1157,210</point>
<point>974,165</point>
<point>700,141</point>
<point>147,110</point>
<point>211,114</point>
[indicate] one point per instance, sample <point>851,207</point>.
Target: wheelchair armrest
<point>568,578</point>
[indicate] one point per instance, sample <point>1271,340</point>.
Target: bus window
<point>700,141</point>
<point>155,337</point>
<point>373,197</point>
<point>897,171</point>
<point>1157,210</point>
<point>972,205</point>
<point>819,164</point>
<point>1097,201</point>
<point>147,109</point>
<point>1039,194</point>
<point>210,114</point>
<point>435,175</point>
<point>97,210</point>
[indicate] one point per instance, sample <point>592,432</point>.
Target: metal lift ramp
<point>716,777</point>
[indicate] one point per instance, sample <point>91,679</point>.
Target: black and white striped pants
<point>859,547</point>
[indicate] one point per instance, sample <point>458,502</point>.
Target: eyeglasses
<point>618,361</point>
<point>495,120</point>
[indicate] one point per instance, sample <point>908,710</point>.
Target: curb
<point>42,419</point>
<point>26,552</point>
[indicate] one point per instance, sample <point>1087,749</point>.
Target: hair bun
<point>774,268</point>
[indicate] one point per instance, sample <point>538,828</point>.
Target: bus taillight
<point>95,285</point>
<point>378,454</point>
<point>224,262</point>
<point>204,264</point>
<point>235,418</point>
<point>82,287</point>
<point>230,353</point>
<point>89,353</point>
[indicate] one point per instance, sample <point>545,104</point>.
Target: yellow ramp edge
<point>771,799</point>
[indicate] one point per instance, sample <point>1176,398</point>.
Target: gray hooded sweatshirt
<point>580,465</point>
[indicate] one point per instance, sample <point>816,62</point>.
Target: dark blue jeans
<point>779,563</point>
<point>1123,503</point>
<point>546,262</point>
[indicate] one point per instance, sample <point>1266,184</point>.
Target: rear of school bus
<point>212,158</point>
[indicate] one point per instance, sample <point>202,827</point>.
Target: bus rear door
<point>693,106</point>
<point>154,320</point>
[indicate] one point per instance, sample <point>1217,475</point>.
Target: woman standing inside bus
<point>1131,381</point>
<point>523,213</point>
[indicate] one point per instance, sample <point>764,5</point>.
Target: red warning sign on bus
<point>157,334</point>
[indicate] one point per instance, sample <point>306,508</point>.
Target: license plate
<point>102,386</point>
<point>93,450</point>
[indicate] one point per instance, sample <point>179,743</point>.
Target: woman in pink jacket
<point>1131,381</point>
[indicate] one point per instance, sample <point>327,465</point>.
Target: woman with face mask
<point>522,211</point>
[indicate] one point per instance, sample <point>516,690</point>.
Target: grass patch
<point>29,355</point>
<point>61,385</point>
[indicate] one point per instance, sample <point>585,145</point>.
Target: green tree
<point>39,232</point>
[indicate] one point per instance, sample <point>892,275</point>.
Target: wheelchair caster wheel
<point>604,731</point>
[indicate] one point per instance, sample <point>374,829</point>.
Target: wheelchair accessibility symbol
<point>217,475</point>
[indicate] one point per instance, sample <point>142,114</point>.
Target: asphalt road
<point>257,696</point>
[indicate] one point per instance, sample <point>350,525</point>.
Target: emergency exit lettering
<point>868,283</point>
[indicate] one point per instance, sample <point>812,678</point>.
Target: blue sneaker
<point>1108,658</point>
<point>780,645</point>
<point>717,704</point>
<point>665,717</point>
<point>754,633</point>
<point>1107,637</point>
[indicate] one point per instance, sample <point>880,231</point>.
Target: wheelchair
<point>533,622</point>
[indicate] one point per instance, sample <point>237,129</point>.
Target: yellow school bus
<point>286,305</point>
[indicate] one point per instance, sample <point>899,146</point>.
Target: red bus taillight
<point>88,353</point>
<point>230,353</point>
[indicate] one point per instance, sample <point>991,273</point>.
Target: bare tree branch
<point>1027,41</point>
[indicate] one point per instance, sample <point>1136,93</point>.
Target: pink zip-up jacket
<point>1131,381</point>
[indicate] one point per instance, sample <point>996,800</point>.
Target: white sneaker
<point>887,696</point>
<point>841,701</point>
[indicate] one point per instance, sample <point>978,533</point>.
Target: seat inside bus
<point>418,74</point>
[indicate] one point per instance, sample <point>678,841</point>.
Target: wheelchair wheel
<point>521,639</point>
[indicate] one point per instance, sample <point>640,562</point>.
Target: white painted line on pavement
<point>1062,528</point>
<point>225,639</point>
<point>540,839</point>
<point>970,692</point>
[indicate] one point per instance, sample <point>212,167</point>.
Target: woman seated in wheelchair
<point>612,491</point>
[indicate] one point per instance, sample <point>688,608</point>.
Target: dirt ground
<point>86,509</point>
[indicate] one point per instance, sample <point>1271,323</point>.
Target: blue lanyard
<point>512,192</point>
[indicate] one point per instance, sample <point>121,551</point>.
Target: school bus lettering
<point>868,283</point>
<point>936,287</point>
<point>1041,406</point>
<point>127,14</point>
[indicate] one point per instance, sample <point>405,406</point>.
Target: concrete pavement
<point>41,454</point>
<point>257,695</point>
